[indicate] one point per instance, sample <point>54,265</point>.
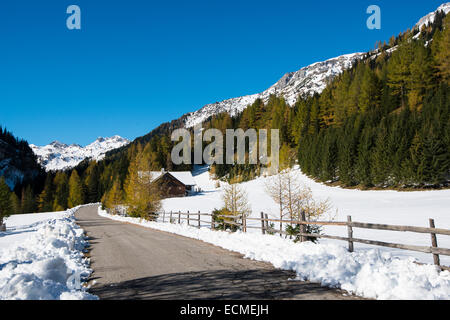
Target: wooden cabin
<point>174,183</point>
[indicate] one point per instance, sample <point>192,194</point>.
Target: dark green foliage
<point>391,122</point>
<point>294,232</point>
<point>5,200</point>
<point>223,223</point>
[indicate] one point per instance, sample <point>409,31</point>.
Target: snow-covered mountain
<point>305,81</point>
<point>429,18</point>
<point>60,156</point>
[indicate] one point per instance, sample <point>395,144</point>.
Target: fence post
<point>188,218</point>
<point>179,217</point>
<point>164,215</point>
<point>170,217</point>
<point>434,244</point>
<point>262,223</point>
<point>199,219</point>
<point>266,216</point>
<point>302,226</point>
<point>350,233</point>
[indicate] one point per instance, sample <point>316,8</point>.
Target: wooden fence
<point>195,219</point>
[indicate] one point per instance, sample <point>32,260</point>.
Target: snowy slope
<point>385,207</point>
<point>429,18</point>
<point>59,156</point>
<point>306,81</point>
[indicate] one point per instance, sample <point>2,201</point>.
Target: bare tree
<point>274,188</point>
<point>296,198</point>
<point>235,199</point>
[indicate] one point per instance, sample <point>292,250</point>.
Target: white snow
<point>370,274</point>
<point>429,18</point>
<point>59,156</point>
<point>385,207</point>
<point>41,255</point>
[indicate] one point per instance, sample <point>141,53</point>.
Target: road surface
<point>133,262</point>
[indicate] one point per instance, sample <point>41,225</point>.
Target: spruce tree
<point>75,190</point>
<point>15,204</point>
<point>46,197</point>
<point>5,200</point>
<point>61,191</point>
<point>28,201</point>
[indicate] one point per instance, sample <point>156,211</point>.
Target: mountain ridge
<point>308,80</point>
<point>60,156</point>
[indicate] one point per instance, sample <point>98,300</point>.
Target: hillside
<point>18,164</point>
<point>358,121</point>
<point>304,82</point>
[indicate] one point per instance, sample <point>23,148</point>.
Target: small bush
<point>293,232</point>
<point>221,223</point>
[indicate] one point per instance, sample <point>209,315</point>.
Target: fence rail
<point>241,221</point>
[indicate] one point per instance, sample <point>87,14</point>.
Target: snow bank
<point>373,206</point>
<point>48,264</point>
<point>370,274</point>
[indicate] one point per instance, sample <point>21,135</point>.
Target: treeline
<point>382,123</point>
<point>386,122</point>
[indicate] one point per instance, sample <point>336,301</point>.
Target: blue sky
<point>135,64</point>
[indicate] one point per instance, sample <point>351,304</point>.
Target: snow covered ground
<point>386,207</point>
<point>371,274</point>
<point>41,257</point>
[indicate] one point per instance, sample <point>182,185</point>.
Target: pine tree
<point>61,191</point>
<point>45,198</point>
<point>399,73</point>
<point>92,183</point>
<point>436,158</point>
<point>380,158</point>
<point>15,204</point>
<point>114,197</point>
<point>5,200</point>
<point>75,190</point>
<point>141,193</point>
<point>363,163</point>
<point>441,48</point>
<point>28,201</point>
<point>369,95</point>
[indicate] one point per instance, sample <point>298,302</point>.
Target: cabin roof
<point>184,177</point>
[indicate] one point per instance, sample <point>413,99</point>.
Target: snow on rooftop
<point>183,176</point>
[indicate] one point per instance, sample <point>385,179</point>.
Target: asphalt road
<point>132,262</point>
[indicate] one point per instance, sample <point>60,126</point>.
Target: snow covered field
<point>41,257</point>
<point>370,274</point>
<point>386,207</point>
